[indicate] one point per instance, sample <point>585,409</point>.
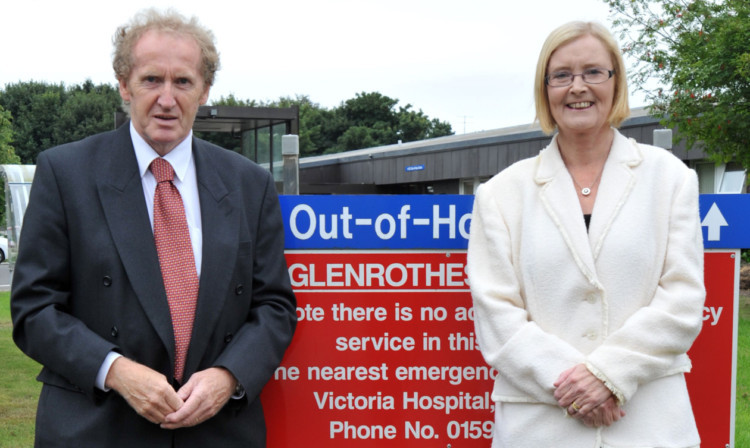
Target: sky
<point>468,62</point>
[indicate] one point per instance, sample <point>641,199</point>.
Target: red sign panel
<point>385,354</point>
<point>711,382</point>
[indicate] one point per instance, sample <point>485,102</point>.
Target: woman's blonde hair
<point>169,21</point>
<point>561,36</point>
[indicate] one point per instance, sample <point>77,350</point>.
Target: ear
<point>204,96</point>
<point>124,93</point>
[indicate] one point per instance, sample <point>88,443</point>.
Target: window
<point>722,178</point>
<point>469,186</point>
<point>706,177</point>
<point>733,178</point>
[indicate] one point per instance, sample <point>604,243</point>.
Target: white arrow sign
<point>714,220</point>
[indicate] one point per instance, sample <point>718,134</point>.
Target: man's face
<point>165,88</point>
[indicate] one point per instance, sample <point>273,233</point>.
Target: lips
<point>581,105</point>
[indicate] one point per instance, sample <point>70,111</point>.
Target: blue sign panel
<point>443,221</point>
<point>726,221</point>
<point>377,222</point>
<point>414,168</point>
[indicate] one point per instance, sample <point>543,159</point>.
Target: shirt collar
<point>179,157</point>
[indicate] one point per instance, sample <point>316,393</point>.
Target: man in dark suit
<point>154,328</point>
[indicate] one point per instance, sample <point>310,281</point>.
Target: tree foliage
<point>46,115</point>
<point>367,120</point>
<point>7,153</point>
<point>697,52</point>
<point>373,119</point>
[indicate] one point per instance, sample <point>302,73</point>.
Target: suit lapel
<point>560,200</point>
<point>617,182</point>
<point>220,216</point>
<point>122,199</point>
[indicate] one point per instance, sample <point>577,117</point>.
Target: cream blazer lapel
<point>558,194</point>
<point>618,180</point>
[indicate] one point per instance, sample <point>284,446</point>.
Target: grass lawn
<point>742,412</point>
<point>19,390</point>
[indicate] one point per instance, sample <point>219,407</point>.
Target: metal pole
<point>290,153</point>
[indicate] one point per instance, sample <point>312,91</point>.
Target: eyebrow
<point>566,68</point>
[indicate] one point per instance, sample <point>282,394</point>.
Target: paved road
<point>4,277</point>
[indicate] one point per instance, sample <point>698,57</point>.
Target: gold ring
<point>575,406</point>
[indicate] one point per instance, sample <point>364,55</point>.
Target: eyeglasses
<point>594,75</point>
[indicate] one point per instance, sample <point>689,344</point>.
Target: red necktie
<point>175,258</point>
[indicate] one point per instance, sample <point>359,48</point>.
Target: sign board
<point>725,219</point>
<point>376,222</point>
<point>712,381</point>
<point>385,352</point>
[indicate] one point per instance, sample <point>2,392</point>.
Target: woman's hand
<point>579,391</point>
<point>586,398</point>
<point>603,415</point>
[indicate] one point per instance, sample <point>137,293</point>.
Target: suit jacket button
<point>228,338</point>
<point>107,280</point>
<point>239,289</point>
<point>114,332</point>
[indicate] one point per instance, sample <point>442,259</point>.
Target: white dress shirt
<point>181,159</point>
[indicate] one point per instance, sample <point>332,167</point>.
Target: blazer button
<point>239,289</point>
<point>228,338</point>
<point>107,281</point>
<point>114,332</point>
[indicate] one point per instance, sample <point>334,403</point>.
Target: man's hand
<point>146,390</point>
<point>205,393</point>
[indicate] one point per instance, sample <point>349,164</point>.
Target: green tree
<point>415,125</point>
<point>312,117</point>
<point>45,115</point>
<point>356,137</point>
<point>34,107</point>
<point>232,100</point>
<point>371,119</point>
<point>87,110</point>
<point>697,53</point>
<point>368,119</point>
<point>371,109</point>
<point>7,153</point>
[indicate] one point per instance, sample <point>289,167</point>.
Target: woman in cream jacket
<point>588,320</point>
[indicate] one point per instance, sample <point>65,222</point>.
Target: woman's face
<point>581,107</point>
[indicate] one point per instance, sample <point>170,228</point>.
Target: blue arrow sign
<point>726,221</point>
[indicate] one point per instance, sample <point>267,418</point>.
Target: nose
<point>578,83</point>
<point>166,96</point>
